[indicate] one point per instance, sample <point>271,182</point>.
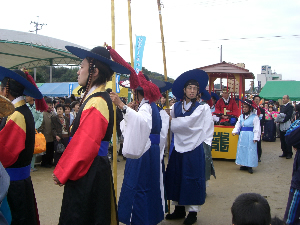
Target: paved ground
<point>271,179</point>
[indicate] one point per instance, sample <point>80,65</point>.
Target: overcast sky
<point>254,32</point>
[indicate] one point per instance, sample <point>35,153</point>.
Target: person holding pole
<point>140,200</point>
<point>191,124</point>
<point>84,167</point>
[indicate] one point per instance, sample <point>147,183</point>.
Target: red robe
<point>231,108</point>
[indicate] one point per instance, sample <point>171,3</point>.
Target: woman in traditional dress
<point>270,126</point>
<point>84,167</point>
<point>248,128</point>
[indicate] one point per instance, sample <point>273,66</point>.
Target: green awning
<point>274,90</point>
<point>39,84</point>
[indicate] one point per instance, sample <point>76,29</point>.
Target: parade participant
<point>292,213</point>
<point>261,117</point>
<point>226,108</point>
<point>287,110</point>
<point>214,98</point>
<point>247,127</point>
<point>17,138</point>
<point>162,102</point>
<point>84,167</point>
<point>192,125</point>
<point>140,200</point>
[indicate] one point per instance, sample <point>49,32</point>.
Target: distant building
<point>267,75</point>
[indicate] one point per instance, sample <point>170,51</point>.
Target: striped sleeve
<point>84,146</point>
<point>12,139</point>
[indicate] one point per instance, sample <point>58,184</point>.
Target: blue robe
<point>185,173</point>
<point>140,199</point>
<point>246,154</point>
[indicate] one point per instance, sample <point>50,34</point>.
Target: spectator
<point>287,110</point>
<point>68,113</point>
<point>251,208</point>
<point>46,129</point>
<point>60,130</point>
<point>38,119</point>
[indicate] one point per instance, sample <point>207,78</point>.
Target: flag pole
<point>165,71</point>
<point>114,106</point>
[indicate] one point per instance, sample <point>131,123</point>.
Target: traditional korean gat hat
<point>205,95</point>
<point>27,85</point>
<point>101,54</point>
<point>20,77</point>
<point>213,94</point>
<point>197,75</point>
<point>251,104</point>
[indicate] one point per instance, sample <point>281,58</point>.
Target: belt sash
<point>18,173</point>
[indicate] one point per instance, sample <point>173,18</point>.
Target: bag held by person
<point>60,148</point>
<point>40,143</point>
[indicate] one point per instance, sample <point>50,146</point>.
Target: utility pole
<point>221,55</point>
<point>37,24</point>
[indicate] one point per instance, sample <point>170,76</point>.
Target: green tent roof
<point>274,90</point>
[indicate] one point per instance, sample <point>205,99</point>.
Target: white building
<point>267,75</point>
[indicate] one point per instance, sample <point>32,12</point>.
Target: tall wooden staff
<point>130,34</point>
<point>130,40</point>
<point>165,70</point>
<point>114,106</point>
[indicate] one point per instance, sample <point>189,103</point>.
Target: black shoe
<point>243,168</point>
<point>259,160</point>
<point>178,213</point>
<point>191,218</point>
<point>283,155</point>
<point>250,170</point>
<point>289,157</point>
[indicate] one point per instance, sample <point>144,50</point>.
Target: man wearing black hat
<point>141,199</point>
<point>16,155</point>
<point>261,117</point>
<point>191,125</point>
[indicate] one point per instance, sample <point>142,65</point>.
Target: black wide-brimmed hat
<point>101,54</point>
<point>196,74</point>
<point>167,87</point>
<point>205,95</point>
<point>20,77</point>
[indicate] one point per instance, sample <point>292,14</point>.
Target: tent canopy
<point>56,89</point>
<point>21,49</point>
<point>274,90</point>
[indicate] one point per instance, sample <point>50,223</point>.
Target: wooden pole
<point>114,106</point>
<point>130,34</point>
<point>130,40</point>
<point>165,72</point>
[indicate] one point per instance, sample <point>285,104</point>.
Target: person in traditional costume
<point>270,126</point>
<point>84,167</point>
<point>292,213</point>
<point>140,200</point>
<point>6,109</point>
<point>17,138</point>
<point>248,128</point>
<point>227,109</point>
<point>191,125</point>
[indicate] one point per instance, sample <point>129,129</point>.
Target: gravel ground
<point>271,179</point>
